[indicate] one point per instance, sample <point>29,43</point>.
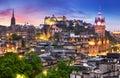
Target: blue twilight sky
<point>34,11</point>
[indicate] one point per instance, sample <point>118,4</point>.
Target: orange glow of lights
<point>99,42</point>
<point>44,36</point>
<point>108,41</point>
<point>116,32</point>
<point>92,54</point>
<point>91,43</point>
<point>73,40</point>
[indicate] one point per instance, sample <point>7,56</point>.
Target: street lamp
<point>20,76</point>
<point>20,56</point>
<point>44,72</point>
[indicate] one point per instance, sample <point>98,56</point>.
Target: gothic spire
<point>13,18</point>
<point>13,13</point>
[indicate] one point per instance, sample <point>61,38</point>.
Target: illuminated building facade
<point>100,25</point>
<point>43,34</point>
<point>93,44</point>
<point>53,20</point>
<point>100,44</point>
<point>88,44</point>
<point>116,34</point>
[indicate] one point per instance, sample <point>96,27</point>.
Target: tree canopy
<point>15,37</point>
<point>30,66</point>
<point>13,65</point>
<point>60,70</point>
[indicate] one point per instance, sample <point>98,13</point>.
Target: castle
<point>53,20</point>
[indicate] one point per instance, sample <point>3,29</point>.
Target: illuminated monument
<point>99,45</point>
<point>100,25</point>
<point>53,20</point>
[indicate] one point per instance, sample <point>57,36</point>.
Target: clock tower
<point>100,25</point>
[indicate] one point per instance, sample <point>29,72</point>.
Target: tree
<point>12,65</point>
<point>23,43</point>
<point>36,63</point>
<point>6,71</point>
<point>61,70</point>
<point>15,37</point>
<point>37,36</point>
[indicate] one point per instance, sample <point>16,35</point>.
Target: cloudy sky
<point>34,11</point>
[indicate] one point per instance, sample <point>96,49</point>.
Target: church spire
<point>13,18</point>
<point>13,13</point>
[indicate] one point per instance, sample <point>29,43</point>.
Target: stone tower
<point>100,25</point>
<point>13,19</point>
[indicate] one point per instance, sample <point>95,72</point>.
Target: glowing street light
<point>20,56</point>
<point>20,76</point>
<point>44,72</point>
<point>91,43</point>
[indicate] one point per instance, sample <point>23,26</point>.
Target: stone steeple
<point>13,19</point>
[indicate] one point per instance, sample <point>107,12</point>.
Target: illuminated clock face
<point>98,23</point>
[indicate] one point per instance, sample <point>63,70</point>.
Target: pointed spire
<point>13,19</point>
<point>99,12</point>
<point>13,13</point>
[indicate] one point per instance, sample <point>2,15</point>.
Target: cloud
<point>6,12</point>
<point>30,9</point>
<point>52,3</point>
<point>72,13</point>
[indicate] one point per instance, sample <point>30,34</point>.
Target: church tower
<point>100,25</point>
<point>13,19</point>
